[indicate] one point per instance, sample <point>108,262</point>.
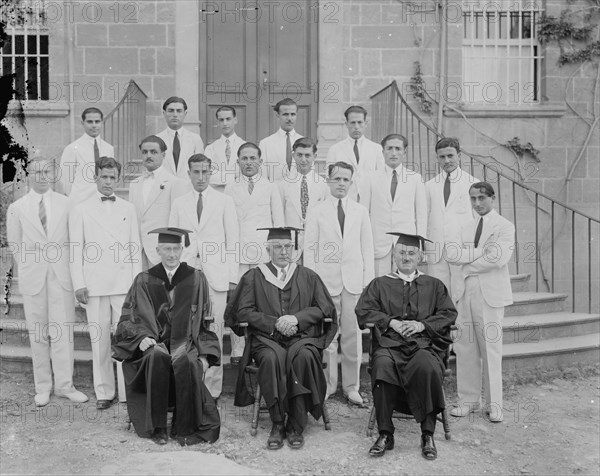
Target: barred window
<point>501,53</point>
<point>25,49</point>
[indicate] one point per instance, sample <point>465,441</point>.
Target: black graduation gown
<point>177,325</point>
<point>429,303</point>
<point>258,302</point>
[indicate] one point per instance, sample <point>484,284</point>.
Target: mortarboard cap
<point>172,235</point>
<point>282,233</point>
<point>410,240</point>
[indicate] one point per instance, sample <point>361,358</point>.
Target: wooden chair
<point>441,417</point>
<point>257,408</point>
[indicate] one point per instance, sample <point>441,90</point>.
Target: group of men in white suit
<point>224,194</point>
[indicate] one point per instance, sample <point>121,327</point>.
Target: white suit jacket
<point>260,210</point>
<point>190,143</point>
<point>497,243</point>
<point>106,246</point>
<point>341,262</point>
<point>406,214</point>
<point>371,159</point>
<point>35,252</point>
<point>318,190</point>
<point>224,172</point>
<point>77,167</point>
<point>154,213</point>
<point>213,245</point>
<point>273,155</point>
<point>445,222</point>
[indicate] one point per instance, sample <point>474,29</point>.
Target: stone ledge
<point>38,108</point>
<point>528,111</point>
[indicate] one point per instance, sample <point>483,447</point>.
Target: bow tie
<point>112,198</point>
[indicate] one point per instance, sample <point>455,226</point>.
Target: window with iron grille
<point>25,52</point>
<point>501,54</point>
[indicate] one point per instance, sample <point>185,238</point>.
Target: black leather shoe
<point>295,440</point>
<point>160,436</point>
<point>428,449</point>
<point>384,442</point>
<point>103,404</point>
<point>276,436</point>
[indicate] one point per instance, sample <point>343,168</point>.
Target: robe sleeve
<point>137,320</point>
<point>205,341</point>
<point>321,306</point>
<point>438,323</point>
<point>369,308</point>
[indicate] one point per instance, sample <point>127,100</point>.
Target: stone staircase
<point>539,336</point>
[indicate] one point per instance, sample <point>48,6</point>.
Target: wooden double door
<point>253,54</point>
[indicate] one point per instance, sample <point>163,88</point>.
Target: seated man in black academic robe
<point>412,314</point>
<point>285,305</point>
<point>166,348</point>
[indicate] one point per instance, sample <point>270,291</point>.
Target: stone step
<point>528,303</point>
<point>520,282</point>
<point>539,327</point>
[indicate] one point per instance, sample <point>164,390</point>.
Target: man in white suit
<point>78,158</point>
<point>304,193</point>
<point>363,154</point>
<point>181,143</point>
<point>395,198</point>
<point>152,195</point>
<point>223,151</point>
<point>277,148</point>
<point>258,205</point>
<point>211,217</point>
<point>38,234</point>
<point>338,246</point>
<point>487,246</point>
<point>105,237</point>
<point>448,211</point>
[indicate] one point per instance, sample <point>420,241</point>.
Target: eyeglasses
<point>408,253</point>
<point>279,248</point>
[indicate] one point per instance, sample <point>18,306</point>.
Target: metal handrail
<point>552,251</point>
<point>124,127</point>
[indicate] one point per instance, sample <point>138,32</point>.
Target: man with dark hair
<point>224,151</point>
<point>395,198</point>
<point>284,305</point>
<point>487,244</point>
<point>363,154</point>
<point>78,158</point>
<point>212,219</point>
<point>412,314</point>
<point>104,233</point>
<point>277,148</point>
<point>338,246</point>
<point>448,211</point>
<point>181,143</point>
<point>152,195</point>
<point>304,193</point>
<point>167,349</point>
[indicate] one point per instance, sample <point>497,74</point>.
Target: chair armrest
<point>328,320</point>
<point>370,325</point>
<point>243,324</point>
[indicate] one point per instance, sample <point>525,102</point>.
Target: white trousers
<point>384,265</point>
<point>478,348</point>
<point>446,273</point>
<point>103,313</point>
<point>350,344</point>
<point>213,377</point>
<point>50,316</point>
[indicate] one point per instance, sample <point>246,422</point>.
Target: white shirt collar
<point>171,132</point>
<point>91,139</point>
<point>38,196</point>
<point>100,195</point>
<point>232,138</point>
<point>173,271</point>
<point>454,175</point>
<point>282,133</point>
<point>408,279</point>
<point>344,201</point>
<point>360,140</point>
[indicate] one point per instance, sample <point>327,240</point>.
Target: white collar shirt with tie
<point>148,182</point>
<point>37,198</point>
<point>337,200</point>
<point>282,272</point>
<point>107,205</point>
<point>171,273</point>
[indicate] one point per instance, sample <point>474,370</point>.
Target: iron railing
<point>124,127</point>
<point>557,245</point>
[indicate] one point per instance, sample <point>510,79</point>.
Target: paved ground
<point>549,428</point>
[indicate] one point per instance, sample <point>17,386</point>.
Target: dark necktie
<point>176,149</point>
<point>341,216</point>
<point>227,150</point>
<point>42,214</point>
<point>96,151</point>
<point>447,189</point>
<point>406,299</point>
<point>288,151</point>
<point>478,232</point>
<point>303,196</point>
<point>356,151</point>
<point>394,185</point>
<point>199,207</point>
<point>112,198</point>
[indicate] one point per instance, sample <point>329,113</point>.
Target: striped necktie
<point>42,214</point>
<point>227,150</point>
<point>288,151</point>
<point>303,196</point>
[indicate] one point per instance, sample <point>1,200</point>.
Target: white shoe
<point>42,399</point>
<point>464,410</point>
<point>75,396</point>
<point>495,413</point>
<point>354,398</point>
